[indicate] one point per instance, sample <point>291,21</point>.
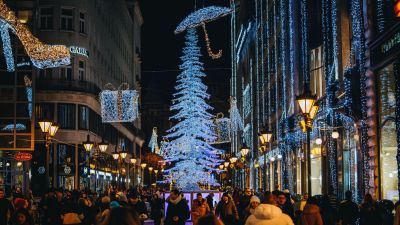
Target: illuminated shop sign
<point>79,51</point>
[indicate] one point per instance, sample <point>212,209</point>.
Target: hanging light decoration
<point>103,145</point>
<point>318,141</point>
<point>115,154</point>
<point>88,145</point>
<point>335,135</point>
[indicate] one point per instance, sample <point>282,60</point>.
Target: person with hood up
<point>311,213</point>
<point>227,211</point>
<point>177,209</point>
<point>267,214</point>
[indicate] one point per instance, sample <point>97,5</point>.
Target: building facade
<point>103,38</point>
<point>346,56</point>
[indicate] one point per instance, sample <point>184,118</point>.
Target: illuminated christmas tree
<point>193,159</point>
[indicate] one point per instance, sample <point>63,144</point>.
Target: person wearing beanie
<point>114,204</point>
<point>199,208</point>
<point>267,214</point>
<point>254,203</point>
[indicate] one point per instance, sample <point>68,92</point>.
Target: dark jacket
<point>179,208</point>
<point>348,212</point>
<point>227,212</point>
<point>139,207</point>
<point>6,210</point>
<point>157,208</point>
<point>369,214</point>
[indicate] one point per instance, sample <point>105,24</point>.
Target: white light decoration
<point>153,143</point>
<point>163,145</point>
<point>271,158</point>
<point>200,18</point>
<point>236,119</point>
<point>188,148</point>
<point>18,127</point>
<point>28,89</point>
<point>19,164</point>
<point>318,141</point>
<point>41,55</point>
<point>335,135</point>
<point>222,129</point>
<point>279,156</point>
<point>119,105</point>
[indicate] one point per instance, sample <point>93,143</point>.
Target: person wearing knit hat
<point>114,204</point>
<point>254,203</point>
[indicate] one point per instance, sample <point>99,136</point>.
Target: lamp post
<point>133,161</point>
<point>156,172</point>
<point>309,109</point>
<point>244,150</point>
<point>265,138</point>
<point>49,130</point>
<point>150,173</point>
<point>143,165</point>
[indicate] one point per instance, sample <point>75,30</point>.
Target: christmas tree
<point>193,159</point>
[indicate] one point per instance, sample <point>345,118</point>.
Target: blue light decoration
<point>222,129</point>
<point>163,145</point>
<point>153,143</point>
<point>188,150</point>
<point>17,127</point>
<point>119,105</point>
<point>200,18</point>
<point>28,89</point>
<point>5,38</point>
<point>236,119</point>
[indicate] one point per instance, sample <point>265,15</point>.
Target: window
<point>82,27</point>
<point>67,19</point>
<point>66,72</point>
<point>66,116</point>
<point>317,80</point>
<point>46,73</point>
<point>46,18</point>
<point>388,142</point>
<point>81,71</point>
<point>83,120</point>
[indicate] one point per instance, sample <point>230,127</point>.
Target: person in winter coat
<point>254,203</point>
<point>122,216</point>
<point>209,219</point>
<point>348,210</point>
<point>6,208</point>
<point>284,202</point>
<point>227,211</point>
<point>199,208</point>
<point>210,200</point>
<point>267,214</point>
<point>177,210</point>
<point>368,211</point>
<point>138,206</point>
<point>311,214</point>
<point>157,209</point>
<point>244,202</point>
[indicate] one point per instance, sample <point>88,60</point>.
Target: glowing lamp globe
<point>221,167</point>
<point>306,101</point>
<point>103,146</point>
<point>265,136</point>
<point>226,164</point>
<point>115,154</point>
<point>314,110</point>
<point>244,150</point>
<point>150,169</point>
<point>53,129</point>
<point>133,160</point>
<point>45,125</point>
<point>335,135</point>
<point>143,165</point>
<point>318,141</point>
<point>88,145</point>
<point>233,159</point>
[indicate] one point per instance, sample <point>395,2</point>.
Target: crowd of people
<point>236,207</point>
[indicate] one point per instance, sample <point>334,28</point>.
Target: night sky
<point>161,48</point>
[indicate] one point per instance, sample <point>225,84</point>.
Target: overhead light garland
<point>41,55</point>
<point>28,89</point>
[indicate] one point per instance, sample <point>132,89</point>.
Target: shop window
<point>67,19</point>
<point>82,23</point>
<point>316,168</point>
<point>388,143</point>
<point>46,18</point>
<point>66,116</point>
<point>317,80</point>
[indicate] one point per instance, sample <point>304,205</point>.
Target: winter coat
<point>310,216</point>
<point>179,208</point>
<point>199,209</point>
<point>266,214</point>
<point>6,210</point>
<point>227,212</point>
<point>348,212</point>
<point>369,214</point>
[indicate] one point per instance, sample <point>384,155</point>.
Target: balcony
<point>67,85</point>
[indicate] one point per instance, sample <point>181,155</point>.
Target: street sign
<point>22,156</point>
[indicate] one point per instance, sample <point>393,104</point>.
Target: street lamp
<point>103,145</point>
<point>49,130</point>
<point>233,159</point>
<point>133,161</point>
<point>244,150</point>
<point>88,145</point>
<point>265,138</point>
<point>226,164</point>
<point>143,165</point>
<point>156,172</point>
<point>115,154</point>
<point>123,153</point>
<point>309,109</point>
